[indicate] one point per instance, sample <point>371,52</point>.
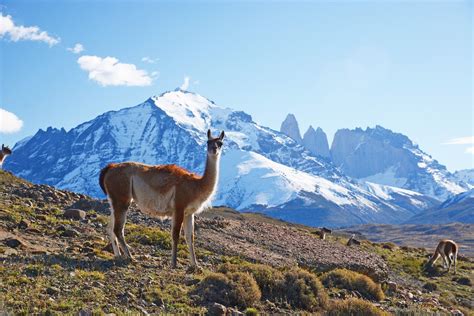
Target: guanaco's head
<point>214,145</point>
<point>6,150</point>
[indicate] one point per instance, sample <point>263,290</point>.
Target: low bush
<point>353,281</point>
<point>231,289</point>
<point>430,286</point>
<point>354,306</point>
<point>268,279</point>
<point>464,281</point>
<point>303,289</point>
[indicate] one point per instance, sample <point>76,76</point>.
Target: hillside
<point>418,235</point>
<point>64,265</point>
<point>458,208</point>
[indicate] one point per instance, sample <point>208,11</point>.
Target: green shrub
<point>463,281</point>
<point>251,312</point>
<point>354,281</point>
<point>353,307</point>
<point>231,289</point>
<point>303,289</point>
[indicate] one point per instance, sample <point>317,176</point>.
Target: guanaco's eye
<point>219,143</point>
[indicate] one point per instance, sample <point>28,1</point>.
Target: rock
<point>410,295</point>
<point>457,312</point>
<point>234,312</point>
<point>41,217</point>
<point>316,142</point>
<point>23,224</point>
<point>84,312</point>
<point>392,286</point>
<point>290,128</point>
<point>142,310</point>
<point>53,290</point>
<point>10,252</point>
<point>13,242</point>
<point>216,309</point>
<point>74,214</point>
<point>70,233</point>
<point>33,230</point>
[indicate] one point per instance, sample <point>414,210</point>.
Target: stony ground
<point>60,262</point>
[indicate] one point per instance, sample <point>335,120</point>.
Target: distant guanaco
<point>448,250</point>
<point>4,153</point>
<point>322,233</point>
<point>163,191</point>
<point>353,241</point>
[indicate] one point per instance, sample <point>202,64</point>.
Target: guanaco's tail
<point>102,176</point>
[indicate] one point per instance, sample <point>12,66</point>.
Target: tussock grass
<point>230,289</point>
<point>300,288</point>
<point>354,281</point>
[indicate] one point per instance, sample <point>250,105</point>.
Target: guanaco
<point>4,153</point>
<point>163,191</point>
<point>448,250</point>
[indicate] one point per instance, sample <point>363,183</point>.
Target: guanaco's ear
<point>221,136</point>
<point>209,136</point>
<point>3,146</point>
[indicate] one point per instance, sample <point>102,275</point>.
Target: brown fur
<point>448,251</point>
<point>161,190</point>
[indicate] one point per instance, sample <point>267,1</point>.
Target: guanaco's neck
<point>211,173</point>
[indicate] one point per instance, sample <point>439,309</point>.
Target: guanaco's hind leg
<point>176,224</point>
<point>189,234</point>
<point>120,218</point>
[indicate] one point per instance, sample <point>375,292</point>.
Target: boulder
<point>74,214</point>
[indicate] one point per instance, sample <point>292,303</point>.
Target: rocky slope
<point>261,169</point>
<point>60,259</point>
<point>381,156</point>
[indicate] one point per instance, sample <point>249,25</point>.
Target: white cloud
<point>470,150</point>
<point>461,141</point>
<point>185,84</point>
<point>77,49</point>
<point>9,122</point>
<point>109,71</point>
<point>150,60</point>
<point>24,33</point>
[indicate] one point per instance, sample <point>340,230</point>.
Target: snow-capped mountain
<point>261,169</point>
<point>459,208</point>
<point>466,176</point>
<point>381,156</point>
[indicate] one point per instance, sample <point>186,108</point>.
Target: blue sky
<point>404,65</point>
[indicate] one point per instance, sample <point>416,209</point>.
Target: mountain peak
<point>290,128</point>
<point>316,142</point>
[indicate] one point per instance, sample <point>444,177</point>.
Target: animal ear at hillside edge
<point>221,136</point>
<point>209,136</point>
